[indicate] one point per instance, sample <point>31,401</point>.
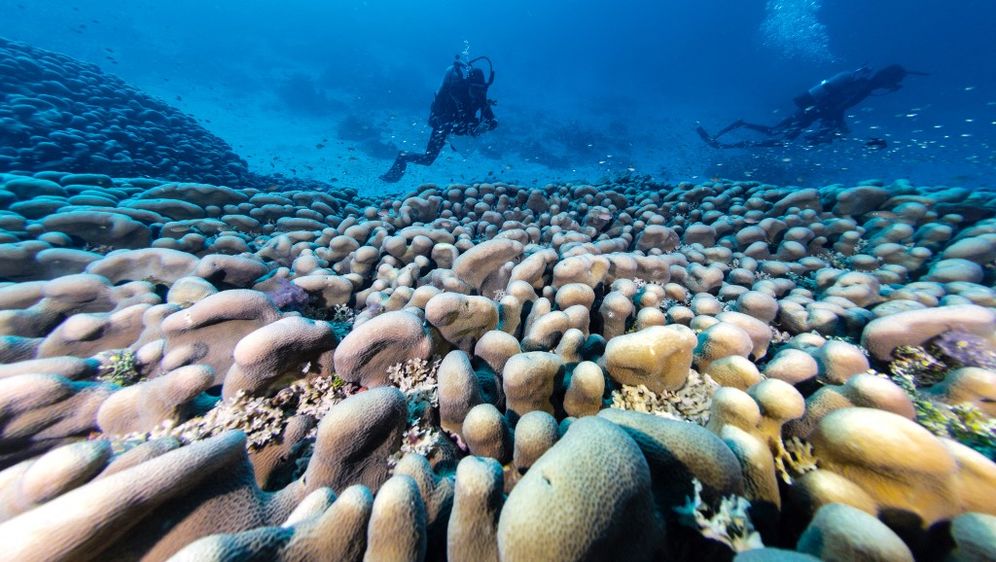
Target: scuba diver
<point>820,111</point>
<point>461,107</point>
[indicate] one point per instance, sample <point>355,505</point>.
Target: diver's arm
<point>487,121</point>
<point>488,114</point>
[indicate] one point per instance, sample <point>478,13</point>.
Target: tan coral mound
<point>495,372</point>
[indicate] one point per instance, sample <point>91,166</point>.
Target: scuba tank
<point>837,81</point>
<point>820,92</point>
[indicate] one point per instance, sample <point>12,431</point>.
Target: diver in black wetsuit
<point>461,107</point>
<point>820,111</point>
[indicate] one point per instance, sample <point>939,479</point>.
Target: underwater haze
<point>296,280</point>
<point>585,90</point>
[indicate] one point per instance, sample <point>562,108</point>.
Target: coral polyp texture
<point>496,372</point>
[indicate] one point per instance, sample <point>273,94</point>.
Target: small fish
<point>876,143</point>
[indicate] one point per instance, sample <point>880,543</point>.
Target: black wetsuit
<point>819,116</point>
<point>461,107</point>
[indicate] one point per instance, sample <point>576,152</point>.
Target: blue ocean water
<point>585,90</point>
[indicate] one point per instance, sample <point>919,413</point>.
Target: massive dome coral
<point>60,113</point>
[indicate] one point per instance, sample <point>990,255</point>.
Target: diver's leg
<point>709,139</point>
<point>763,129</point>
<point>762,143</point>
<point>732,126</point>
<point>436,142</point>
<point>397,169</point>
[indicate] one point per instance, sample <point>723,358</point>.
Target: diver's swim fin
<point>705,137</point>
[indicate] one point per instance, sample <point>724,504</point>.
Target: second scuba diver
<point>820,111</point>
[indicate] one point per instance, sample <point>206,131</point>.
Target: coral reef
<point>58,112</point>
<point>119,368</point>
<point>965,349</point>
<point>958,420</point>
<point>573,372</point>
<point>262,419</point>
<point>288,296</point>
<point>729,523</point>
<point>689,403</point>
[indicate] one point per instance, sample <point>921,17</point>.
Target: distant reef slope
<point>60,113</point>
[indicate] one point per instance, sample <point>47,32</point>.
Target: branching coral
<point>263,419</point>
<point>835,259</point>
<point>667,303</point>
<point>961,422</point>
<point>779,336</point>
<point>806,281</point>
<point>970,426</point>
<point>103,249</point>
<point>420,438</point>
<point>729,523</point>
<point>343,314</point>
<point>417,379</point>
<point>795,459</point>
<point>916,364</point>
<point>342,320</point>
<point>415,375</point>
<point>689,403</point>
<point>118,367</point>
